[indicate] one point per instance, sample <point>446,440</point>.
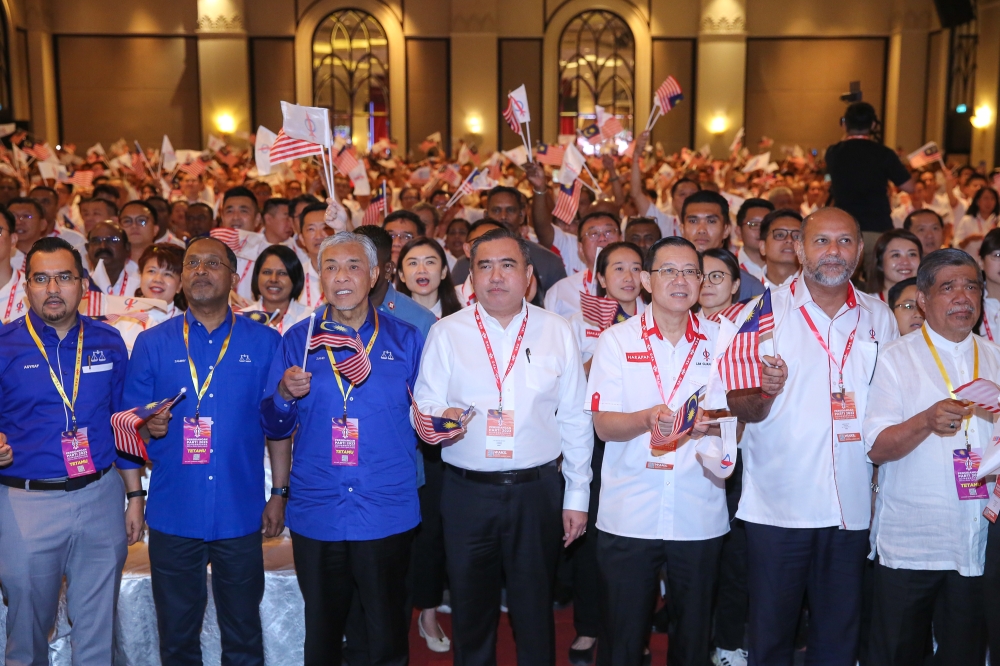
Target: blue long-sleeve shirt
<point>378,497</point>
<point>224,498</point>
<point>33,415</point>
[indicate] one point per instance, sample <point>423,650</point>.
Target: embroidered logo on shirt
<point>871,332</point>
<point>244,358</point>
<point>178,360</point>
<point>97,356</point>
<point>637,357</point>
<point>387,356</point>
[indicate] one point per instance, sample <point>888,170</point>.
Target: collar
<point>487,317</point>
<point>692,333</point>
<point>369,322</point>
<point>197,325</point>
<point>744,258</point>
<point>49,334</point>
<point>801,295</point>
<point>390,298</point>
<point>955,349</point>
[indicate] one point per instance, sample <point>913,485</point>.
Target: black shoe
<point>582,657</point>
<point>563,597</point>
<point>661,620</point>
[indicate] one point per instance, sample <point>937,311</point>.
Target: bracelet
<point>537,192</point>
<point>766,396</point>
<point>280,492</point>
<point>135,493</point>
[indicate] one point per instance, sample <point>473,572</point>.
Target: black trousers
<point>330,573</point>
<point>904,608</point>
<point>991,587</point>
<point>494,533</point>
<point>178,568</point>
<point>583,557</point>
<point>783,565</point>
<point>629,573</point>
<point>731,598</point>
<point>427,565</point>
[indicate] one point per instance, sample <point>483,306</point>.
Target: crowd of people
<point>302,332</point>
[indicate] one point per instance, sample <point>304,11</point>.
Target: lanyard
<point>493,360</point>
<point>333,362</point>
<point>986,323</point>
<point>194,371</point>
<point>14,282</point>
<point>822,343</point>
<point>52,373</point>
<point>656,369</point>
<point>947,380</point>
<point>121,292</point>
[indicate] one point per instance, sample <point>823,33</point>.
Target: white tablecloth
<point>136,641</point>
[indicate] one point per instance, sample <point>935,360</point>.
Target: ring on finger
<point>953,425</point>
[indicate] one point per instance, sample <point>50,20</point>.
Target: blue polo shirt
<point>378,497</point>
<point>33,416</point>
<point>224,498</point>
<point>407,309</point>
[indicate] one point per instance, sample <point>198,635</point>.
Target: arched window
<point>596,67</point>
<point>351,75</point>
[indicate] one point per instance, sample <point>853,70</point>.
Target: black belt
<point>509,477</point>
<point>66,485</point>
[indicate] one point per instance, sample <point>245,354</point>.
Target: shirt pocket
<point>542,374</point>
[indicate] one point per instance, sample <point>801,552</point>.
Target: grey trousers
<point>48,534</point>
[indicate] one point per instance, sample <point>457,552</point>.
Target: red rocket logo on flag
<point>741,364</point>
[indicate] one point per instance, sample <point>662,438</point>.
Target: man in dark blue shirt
<point>61,377</point>
<point>207,486</point>
<point>353,492</point>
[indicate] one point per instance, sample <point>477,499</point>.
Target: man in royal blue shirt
<point>353,491</point>
<point>207,485</point>
<point>61,377</point>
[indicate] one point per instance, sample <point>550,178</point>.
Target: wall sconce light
<point>718,124</point>
<point>982,118</point>
<point>474,124</point>
<point>225,123</point>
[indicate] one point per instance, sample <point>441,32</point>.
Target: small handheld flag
<point>741,363</point>
<point>667,96</point>
<point>125,426</point>
<point>335,335</point>
<point>598,310</point>
<point>684,419</point>
<point>436,429</point>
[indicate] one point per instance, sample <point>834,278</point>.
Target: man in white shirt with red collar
<point>12,304</point>
<point>928,533</point>
<point>658,507</point>
<point>596,231</point>
<point>505,506</point>
<point>806,499</point>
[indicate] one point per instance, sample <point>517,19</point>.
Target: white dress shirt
<point>991,320</point>
<point>569,250</point>
<point>466,294</point>
<point>796,474</point>
<point>640,497</point>
<point>747,264</point>
<point>973,226</point>
<point>13,304</point>
<point>563,297</point>
<point>668,224</point>
<point>17,260</point>
<point>296,312</point>
<point>774,287</point>
<point>919,521</point>
<point>545,393</point>
<point>312,290</point>
<point>586,333</point>
<point>125,285</point>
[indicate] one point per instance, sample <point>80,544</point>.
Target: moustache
<point>832,261</point>
<point>960,309</point>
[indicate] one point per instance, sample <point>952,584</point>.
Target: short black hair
<point>9,217</point>
<point>44,188</point>
<point>859,117</point>
<point>726,257</point>
<point>311,208</point>
<point>459,220</point>
<point>908,222</point>
<point>379,237</point>
<point>991,243</point>
<point>741,214</point>
<point>108,205</point>
<point>707,197</point>
<point>230,255</point>
<point>276,202</point>
<point>669,241</point>
<point>50,245</point>
<point>974,206</point>
<point>240,191</point>
<point>201,204</point>
<point>938,259</point>
<point>140,202</point>
<point>503,189</point>
<point>106,188</point>
<point>28,201</point>
<point>593,215</point>
<point>409,217</point>
<point>896,290</point>
<point>768,220</point>
<point>500,234</point>
<point>636,221</point>
<point>485,221</point>
<point>292,265</point>
<point>685,179</point>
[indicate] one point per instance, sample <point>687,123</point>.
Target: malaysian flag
<point>286,148</point>
<point>335,335</point>
<point>125,426</point>
<point>450,175</point>
<point>668,94</point>
<point>981,392</point>
<point>611,128</point>
<point>82,179</point>
<point>195,168</point>
<point>740,366</point>
<point>236,239</point>
<point>508,115</point>
<point>346,160</point>
<point>376,207</point>
<point>567,202</point>
<point>598,310</point>
<point>921,157</point>
<point>39,151</point>
<point>727,313</point>
<point>684,419</point>
<point>592,133</point>
<point>436,429</point>
<point>551,155</point>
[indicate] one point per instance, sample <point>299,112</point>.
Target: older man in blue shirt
<point>60,504</point>
<point>206,493</point>
<point>353,492</point>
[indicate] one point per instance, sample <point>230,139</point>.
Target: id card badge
<point>197,441</point>
<point>500,434</point>
<point>345,442</point>
<point>993,506</point>
<point>846,425</point>
<point>966,465</point>
<point>76,453</point>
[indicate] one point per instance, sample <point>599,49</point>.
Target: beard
<point>815,271</point>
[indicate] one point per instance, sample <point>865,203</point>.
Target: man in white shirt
<point>596,231</point>
<point>12,304</point>
<point>657,508</point>
<point>779,230</point>
<point>239,211</point>
<point>806,499</point>
<point>111,270</point>
<point>928,226</point>
<point>93,211</point>
<point>32,225</point>
<point>551,235</point>
<point>504,507</point>
<point>312,221</point>
<point>928,533</point>
<point>748,224</point>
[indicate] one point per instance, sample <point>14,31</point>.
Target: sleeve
<point>605,386</point>
<point>279,417</point>
<point>885,401</point>
<point>433,374</point>
<point>896,172</point>
<point>576,428</point>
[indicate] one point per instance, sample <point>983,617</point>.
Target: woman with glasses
<point>423,276</point>
<point>902,298</point>
<point>276,284</point>
<point>989,259</point>
<point>721,285</point>
<point>896,256</point>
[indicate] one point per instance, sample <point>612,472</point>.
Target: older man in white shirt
<point>928,534</point>
<point>596,231</point>
<point>505,506</point>
<point>806,482</point>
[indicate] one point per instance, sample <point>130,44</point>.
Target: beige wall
<point>427,90</point>
<point>520,63</point>
<point>675,57</point>
<point>273,67</point>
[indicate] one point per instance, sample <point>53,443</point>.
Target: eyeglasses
<point>596,234</point>
<point>784,234</point>
<point>401,235</point>
<point>908,305</point>
<point>41,280</point>
<point>669,273</point>
<point>106,240</point>
<point>717,277</point>
<point>137,221</point>
<point>752,224</point>
<point>210,264</point>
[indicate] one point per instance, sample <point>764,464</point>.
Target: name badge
<point>500,434</point>
<point>846,426</point>
<point>76,453</point>
<point>197,441</point>
<point>993,506</point>
<point>966,465</point>
<point>345,442</point>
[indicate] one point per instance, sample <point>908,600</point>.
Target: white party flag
<point>262,150</point>
<point>307,123</point>
<point>168,158</point>
<point>520,97</point>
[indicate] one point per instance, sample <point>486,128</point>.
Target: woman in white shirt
<point>721,286</point>
<point>989,259</point>
<point>276,284</point>
<point>424,276</point>
<point>980,217</point>
<point>160,278</point>
<point>896,256</point>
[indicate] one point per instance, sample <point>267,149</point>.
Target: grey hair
<point>932,264</point>
<point>345,237</point>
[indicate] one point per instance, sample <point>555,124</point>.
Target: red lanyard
<point>493,360</point>
<point>822,343</point>
<point>245,271</point>
<point>16,280</point>
<point>656,369</point>
<point>986,323</point>
<point>121,292</point>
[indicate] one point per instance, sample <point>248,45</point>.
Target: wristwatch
<point>135,493</point>
<point>281,492</point>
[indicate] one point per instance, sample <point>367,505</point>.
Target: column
<point>223,67</point>
<point>474,73</point>
<point>906,80</point>
<point>722,64</point>
<point>987,96</point>
<point>42,74</point>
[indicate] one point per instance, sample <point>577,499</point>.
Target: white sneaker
<point>729,657</point>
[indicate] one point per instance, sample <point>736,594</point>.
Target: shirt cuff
<point>282,405</point>
<point>576,500</point>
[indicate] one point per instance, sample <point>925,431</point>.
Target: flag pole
<point>309,334</point>
<point>458,191</point>
<point>527,129</point>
